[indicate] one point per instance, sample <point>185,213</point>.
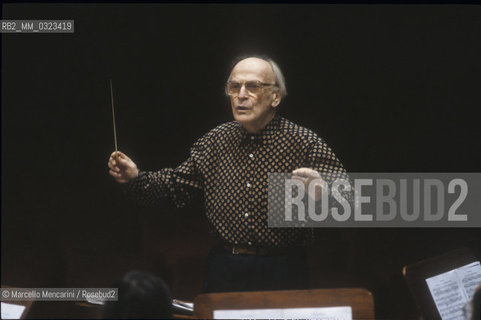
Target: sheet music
<point>183,307</point>
<point>12,311</point>
<point>453,289</point>
<point>470,278</point>
<point>328,313</point>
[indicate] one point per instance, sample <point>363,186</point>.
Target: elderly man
<point>229,165</point>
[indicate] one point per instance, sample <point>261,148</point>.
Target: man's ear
<point>277,99</point>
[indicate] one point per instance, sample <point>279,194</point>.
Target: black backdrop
<point>392,88</point>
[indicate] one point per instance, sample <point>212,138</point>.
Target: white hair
<point>279,80</point>
<point>279,77</point>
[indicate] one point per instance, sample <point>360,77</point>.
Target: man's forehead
<point>253,67</point>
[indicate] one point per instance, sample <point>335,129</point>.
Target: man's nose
<point>243,92</point>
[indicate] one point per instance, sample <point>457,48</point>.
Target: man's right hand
<point>122,168</point>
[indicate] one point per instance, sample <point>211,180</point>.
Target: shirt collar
<point>265,136</point>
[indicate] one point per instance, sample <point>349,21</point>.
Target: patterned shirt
<point>230,167</point>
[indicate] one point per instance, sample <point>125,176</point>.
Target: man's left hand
<point>306,175</point>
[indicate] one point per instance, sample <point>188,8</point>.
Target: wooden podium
<point>360,300</point>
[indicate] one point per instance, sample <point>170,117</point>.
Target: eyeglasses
<point>253,87</point>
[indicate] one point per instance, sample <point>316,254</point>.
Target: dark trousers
<point>228,272</point>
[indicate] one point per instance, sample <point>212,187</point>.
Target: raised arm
<point>152,188</point>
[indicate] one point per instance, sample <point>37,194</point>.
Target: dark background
<point>392,88</point>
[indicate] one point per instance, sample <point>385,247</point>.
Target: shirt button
<point>249,243</point>
<point>252,137</point>
<point>251,156</point>
<point>248,185</point>
<point>246,214</point>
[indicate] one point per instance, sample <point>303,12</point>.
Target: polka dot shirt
<point>230,167</point>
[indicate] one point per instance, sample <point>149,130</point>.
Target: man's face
<point>251,110</point>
